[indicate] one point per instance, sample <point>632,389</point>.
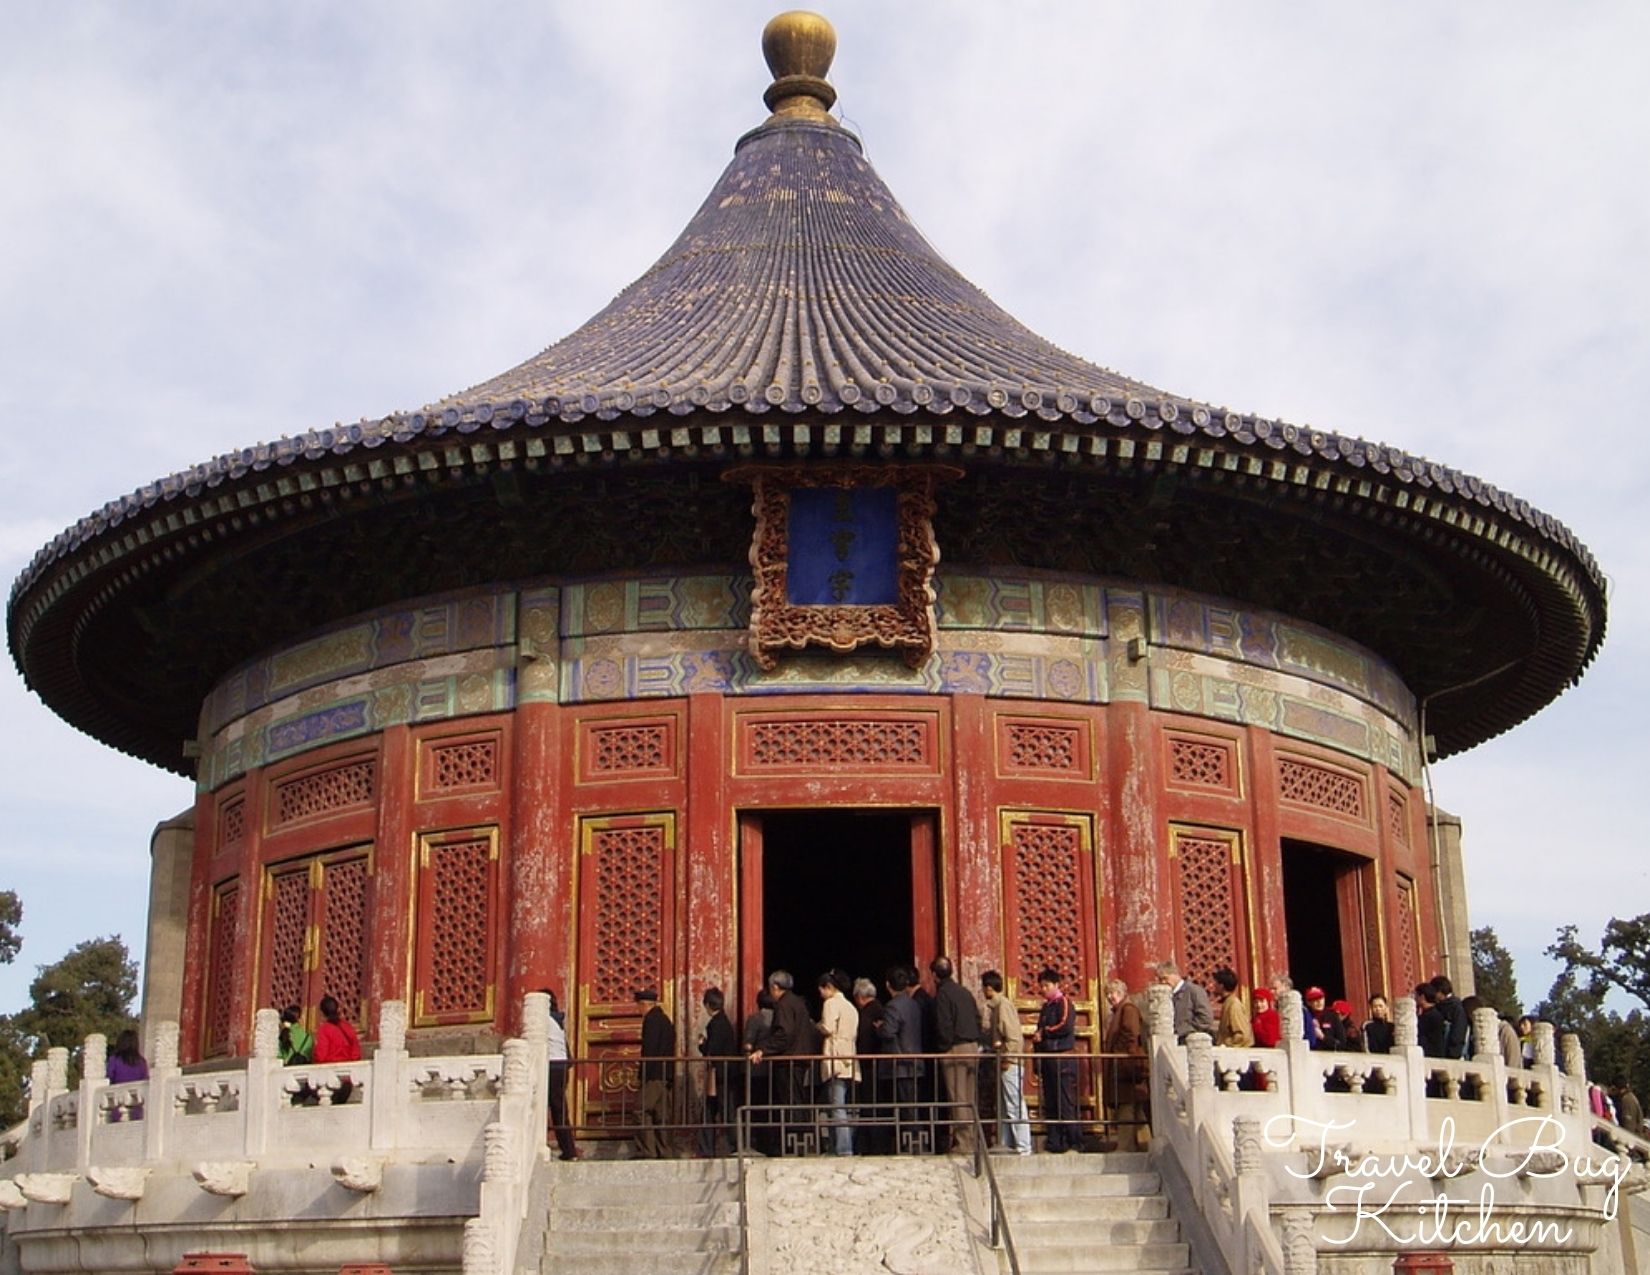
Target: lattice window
<point>1044,746</point>
<point>1202,763</point>
<point>629,896</point>
<point>1397,811</point>
<point>617,749</point>
<point>470,764</point>
<point>1407,931</point>
<point>224,967</point>
<point>1332,790</point>
<point>1208,931</point>
<point>232,824</point>
<point>458,927</point>
<point>344,941</point>
<point>324,791</point>
<point>288,922</point>
<point>848,742</point>
<point>1048,887</point>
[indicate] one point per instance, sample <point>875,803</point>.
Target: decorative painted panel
<point>1201,762</point>
<point>224,968</point>
<point>1211,902</point>
<point>1049,747</point>
<point>1310,784</point>
<point>454,979</point>
<point>323,792</point>
<point>797,742</point>
<point>626,941</point>
<point>627,748</point>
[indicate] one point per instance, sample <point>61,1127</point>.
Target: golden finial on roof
<point>799,47</point>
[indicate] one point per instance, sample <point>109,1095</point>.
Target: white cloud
<point>1426,225</point>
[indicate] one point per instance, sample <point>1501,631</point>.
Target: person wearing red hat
<point>1267,1027</point>
<point>1331,1030</point>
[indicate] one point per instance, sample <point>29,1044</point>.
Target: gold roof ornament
<point>799,46</point>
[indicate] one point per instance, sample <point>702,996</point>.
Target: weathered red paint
<point>711,786</point>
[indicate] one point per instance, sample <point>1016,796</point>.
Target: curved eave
<point>176,527</point>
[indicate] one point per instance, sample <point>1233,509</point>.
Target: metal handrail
<point>1001,1235</point>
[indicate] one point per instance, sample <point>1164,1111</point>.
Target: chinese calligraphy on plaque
<point>841,546</point>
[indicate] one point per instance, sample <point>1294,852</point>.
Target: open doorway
<point>1312,918</point>
<point>840,888</point>
<point>1330,918</point>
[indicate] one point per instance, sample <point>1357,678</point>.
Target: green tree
<point>11,916</point>
<point>1492,974</point>
<point>1617,1045</point>
<point>90,989</point>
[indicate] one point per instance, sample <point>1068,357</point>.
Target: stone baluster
<point>1200,1060</point>
<point>160,1111</point>
<point>94,1079</point>
<point>1546,1049</point>
<point>1300,1257</point>
<point>387,1096</point>
<point>57,1069</point>
<point>1486,1035</point>
<point>94,1058</point>
<point>1575,1062</point>
<point>1291,1016</point>
<point>264,1089</point>
<point>1247,1149</point>
<point>1405,1025</point>
<point>480,1256</point>
<point>535,1030</point>
<point>1160,1014</point>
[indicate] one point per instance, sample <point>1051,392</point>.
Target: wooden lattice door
<point>626,941</point>
<point>1050,920</point>
<point>1211,903</point>
<point>315,932</point>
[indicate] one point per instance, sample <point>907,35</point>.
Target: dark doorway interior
<point>836,891</point>
<point>1312,918</point>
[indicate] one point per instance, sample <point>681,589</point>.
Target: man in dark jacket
<point>1431,1027</point>
<point>901,1033</point>
<point>957,1034</point>
<point>1055,1038</point>
<point>789,1036</point>
<point>1459,1026</point>
<point>719,1044</point>
<point>658,1043</point>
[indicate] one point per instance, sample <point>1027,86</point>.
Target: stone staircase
<point>661,1217</point>
<point>1090,1213</point>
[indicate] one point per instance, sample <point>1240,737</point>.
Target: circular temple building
<point>801,609</point>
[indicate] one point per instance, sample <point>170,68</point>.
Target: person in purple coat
<point>127,1065</point>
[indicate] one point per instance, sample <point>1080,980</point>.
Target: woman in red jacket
<point>336,1042</point>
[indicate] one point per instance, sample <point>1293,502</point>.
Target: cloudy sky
<point>1424,223</point>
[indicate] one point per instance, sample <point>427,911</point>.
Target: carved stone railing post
<point>1575,1062</point>
<point>535,1030</point>
<point>1486,1035</point>
<point>1291,1016</point>
<point>1546,1054</point>
<point>94,1078</point>
<point>57,1069</point>
<point>94,1057</point>
<point>262,1090</point>
<point>40,1079</point>
<point>1200,1061</point>
<point>387,1096</point>
<point>1405,1026</point>
<point>1160,1013</point>
<point>480,1257</point>
<point>1248,1152</point>
<point>1300,1256</point>
<point>516,1077</point>
<point>158,1112</point>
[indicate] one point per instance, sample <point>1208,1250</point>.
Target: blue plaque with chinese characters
<point>842,547</point>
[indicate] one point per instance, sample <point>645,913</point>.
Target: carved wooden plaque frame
<point>905,624</point>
